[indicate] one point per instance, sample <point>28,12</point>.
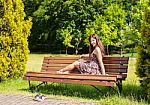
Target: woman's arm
<point>84,55</point>
<point>100,59</point>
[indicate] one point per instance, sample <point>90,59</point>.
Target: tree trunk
<point>76,51</point>
<point>132,51</point>
<point>66,50</point>
<point>107,50</point>
<point>121,51</point>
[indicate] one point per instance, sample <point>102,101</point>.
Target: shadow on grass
<point>86,91</point>
<point>75,90</point>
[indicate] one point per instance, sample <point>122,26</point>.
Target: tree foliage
<point>109,25</point>
<point>14,31</point>
<point>110,19</point>
<point>143,59</point>
<point>66,37</point>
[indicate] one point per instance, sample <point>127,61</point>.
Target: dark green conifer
<point>143,59</point>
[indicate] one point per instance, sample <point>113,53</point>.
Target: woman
<point>94,65</point>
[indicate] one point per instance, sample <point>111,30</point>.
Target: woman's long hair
<point>98,43</point>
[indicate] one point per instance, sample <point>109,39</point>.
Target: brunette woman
<point>92,66</point>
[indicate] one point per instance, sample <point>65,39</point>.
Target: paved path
<point>28,100</point>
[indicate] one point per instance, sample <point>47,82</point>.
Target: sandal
<point>39,98</point>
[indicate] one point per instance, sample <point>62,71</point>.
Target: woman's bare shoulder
<point>98,52</point>
<point>97,49</point>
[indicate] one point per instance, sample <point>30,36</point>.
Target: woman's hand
<point>81,56</point>
<point>84,55</point>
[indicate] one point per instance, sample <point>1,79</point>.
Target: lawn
<point>131,95</point>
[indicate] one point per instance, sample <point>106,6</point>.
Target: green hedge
<point>143,59</point>
<point>14,31</point>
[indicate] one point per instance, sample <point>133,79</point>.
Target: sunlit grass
<point>131,95</point>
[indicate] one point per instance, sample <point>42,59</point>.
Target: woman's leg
<point>69,68</point>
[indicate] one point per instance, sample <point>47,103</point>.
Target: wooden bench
<point>116,68</point>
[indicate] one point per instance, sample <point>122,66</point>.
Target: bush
<point>14,31</point>
<point>143,59</point>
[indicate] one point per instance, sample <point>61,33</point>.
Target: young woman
<point>92,66</point>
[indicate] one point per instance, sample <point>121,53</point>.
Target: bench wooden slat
<point>106,66</point>
<point>48,69</point>
<point>54,65</point>
<point>114,70</point>
<point>49,73</point>
<point>68,60</point>
<point>71,76</point>
<point>116,58</point>
<point>71,61</point>
<point>77,57</point>
<point>64,61</point>
<point>107,70</point>
<point>119,76</point>
<point>61,58</point>
<point>115,62</point>
<point>115,66</point>
<point>85,82</point>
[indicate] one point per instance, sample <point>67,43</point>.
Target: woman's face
<point>93,42</point>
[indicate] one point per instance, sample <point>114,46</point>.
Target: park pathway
<point>29,100</point>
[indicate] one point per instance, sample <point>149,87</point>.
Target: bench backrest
<point>113,65</point>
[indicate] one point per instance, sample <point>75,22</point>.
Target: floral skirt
<point>89,67</point>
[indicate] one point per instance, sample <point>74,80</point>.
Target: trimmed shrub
<point>14,31</point>
<point>143,59</point>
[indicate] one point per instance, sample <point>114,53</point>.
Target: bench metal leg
<point>96,88</point>
<point>108,87</point>
<point>34,87</point>
<point>29,85</point>
<point>119,84</point>
<point>116,90</point>
<point>40,84</point>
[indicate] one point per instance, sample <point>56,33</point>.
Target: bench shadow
<point>89,92</point>
<point>74,90</point>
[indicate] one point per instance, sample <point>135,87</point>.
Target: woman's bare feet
<point>66,72</point>
<point>61,71</point>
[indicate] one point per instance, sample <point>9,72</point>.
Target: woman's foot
<point>66,72</point>
<point>61,71</point>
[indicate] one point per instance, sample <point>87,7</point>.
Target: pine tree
<point>14,31</point>
<point>143,60</point>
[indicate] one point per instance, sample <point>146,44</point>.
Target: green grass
<point>131,95</point>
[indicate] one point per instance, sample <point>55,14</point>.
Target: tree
<point>108,18</point>
<point>66,37</point>
<point>134,26</point>
<point>109,25</point>
<point>53,15</point>
<point>77,40</point>
<point>14,32</point>
<point>143,59</point>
